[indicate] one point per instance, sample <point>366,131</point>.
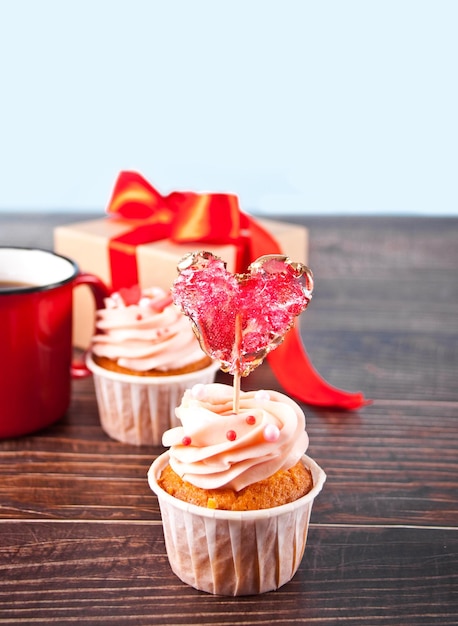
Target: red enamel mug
<point>36,366</point>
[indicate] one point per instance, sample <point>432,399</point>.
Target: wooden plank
<point>118,574</point>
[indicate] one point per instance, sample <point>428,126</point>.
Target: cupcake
<point>236,488</point>
<point>236,491</point>
<point>143,356</point>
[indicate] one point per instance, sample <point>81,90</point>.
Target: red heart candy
<point>239,318</point>
<point>131,295</point>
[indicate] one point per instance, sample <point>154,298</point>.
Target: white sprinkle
<point>144,303</point>
<point>271,432</point>
<point>261,395</point>
<point>198,391</point>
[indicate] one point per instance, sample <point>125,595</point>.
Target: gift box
<point>108,247</point>
<point>146,234</point>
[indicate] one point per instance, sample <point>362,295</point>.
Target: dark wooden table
<point>80,532</point>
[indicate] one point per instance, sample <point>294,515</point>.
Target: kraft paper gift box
<point>88,242</point>
<point>146,235</point>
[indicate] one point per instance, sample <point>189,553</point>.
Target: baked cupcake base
<point>283,487</point>
<point>235,553</point>
<point>138,409</point>
<point>111,365</point>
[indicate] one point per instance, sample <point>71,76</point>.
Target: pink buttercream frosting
<point>149,334</point>
<point>216,448</point>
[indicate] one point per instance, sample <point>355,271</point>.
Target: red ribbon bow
<point>186,217</point>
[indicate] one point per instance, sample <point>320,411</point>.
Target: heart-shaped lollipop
<point>240,318</point>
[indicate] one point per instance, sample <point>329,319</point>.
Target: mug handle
<point>100,291</point>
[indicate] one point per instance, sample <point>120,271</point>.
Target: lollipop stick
<point>238,348</point>
<point>236,399</point>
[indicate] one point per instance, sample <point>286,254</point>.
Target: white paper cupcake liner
<point>139,409</point>
<point>235,553</point>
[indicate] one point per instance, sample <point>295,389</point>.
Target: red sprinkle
<point>139,316</point>
<point>186,441</point>
<point>251,420</point>
<point>231,435</point>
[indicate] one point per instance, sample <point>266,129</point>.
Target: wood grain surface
<point>80,531</point>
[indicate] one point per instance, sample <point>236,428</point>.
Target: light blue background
<point>315,107</point>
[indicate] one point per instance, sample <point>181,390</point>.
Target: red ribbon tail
<point>289,361</point>
<point>298,377</point>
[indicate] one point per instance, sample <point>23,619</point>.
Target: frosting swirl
<point>150,333</point>
<point>216,448</point>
